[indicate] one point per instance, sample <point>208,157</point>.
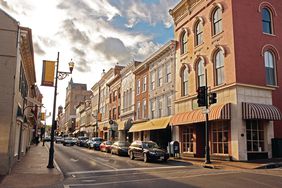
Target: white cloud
<point>82,30</point>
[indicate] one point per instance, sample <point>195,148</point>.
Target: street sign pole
<point>207,161</point>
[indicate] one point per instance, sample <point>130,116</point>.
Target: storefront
<point>192,132</point>
<point>258,118</point>
<point>157,130</point>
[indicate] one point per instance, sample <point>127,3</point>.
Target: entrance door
<point>200,139</point>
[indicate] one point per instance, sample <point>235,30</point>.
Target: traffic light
<point>202,96</point>
<point>212,98</point>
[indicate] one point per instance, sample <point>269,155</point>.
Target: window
<point>269,63</point>
<point>219,67</point>
<point>23,87</point>
<point>255,136</point>
<point>201,73</point>
<point>160,76</point>
<point>266,21</point>
<point>168,72</point>
<point>185,81</point>
<point>130,102</point>
<point>118,111</point>
<point>217,21</point>
<point>110,115</point>
<point>152,80</point>
<point>124,101</point>
<point>138,87</point>
<point>144,108</point>
<point>114,113</point>
<point>114,95</point>
<point>138,110</point>
<point>183,42</point>
<point>152,106</point>
<point>144,84</point>
<point>199,33</point>
<point>168,103</point>
<point>187,139</point>
<point>220,138</point>
<point>160,106</point>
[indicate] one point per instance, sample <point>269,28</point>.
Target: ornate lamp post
<point>59,75</point>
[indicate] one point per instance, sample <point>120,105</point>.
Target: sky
<point>95,34</point>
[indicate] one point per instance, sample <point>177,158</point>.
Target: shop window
<point>255,136</point>
<point>220,138</point>
<point>187,139</point>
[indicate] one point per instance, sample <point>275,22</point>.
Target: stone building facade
<point>20,99</point>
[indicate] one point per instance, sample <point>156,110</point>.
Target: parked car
<point>47,139</point>
<point>106,146</point>
<point>81,141</point>
<point>120,148</point>
<point>68,141</point>
<point>95,143</point>
<point>59,139</point>
<point>147,150</point>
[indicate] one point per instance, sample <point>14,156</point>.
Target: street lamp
<point>59,75</point>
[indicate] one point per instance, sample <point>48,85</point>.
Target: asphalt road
<point>88,168</point>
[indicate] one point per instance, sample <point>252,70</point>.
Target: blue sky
<point>95,34</point>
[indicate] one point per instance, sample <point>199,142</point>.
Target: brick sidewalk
<point>32,171</point>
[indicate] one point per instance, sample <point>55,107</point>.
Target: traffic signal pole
<point>207,161</point>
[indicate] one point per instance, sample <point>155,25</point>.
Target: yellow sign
<point>48,72</point>
<point>43,116</point>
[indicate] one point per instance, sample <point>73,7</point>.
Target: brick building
<point>235,44</point>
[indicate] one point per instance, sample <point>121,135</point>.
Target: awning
<point>260,111</point>
<point>154,124</point>
<point>220,112</point>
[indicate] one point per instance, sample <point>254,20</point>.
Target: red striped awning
<point>260,111</point>
<point>217,112</point>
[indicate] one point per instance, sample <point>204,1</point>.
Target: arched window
<point>269,62</point>
<point>201,73</point>
<point>266,21</point>
<point>184,75</point>
<point>184,41</point>
<point>217,21</point>
<point>219,67</point>
<point>199,33</point>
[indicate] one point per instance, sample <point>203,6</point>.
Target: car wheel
<point>131,155</point>
<point>164,160</point>
<point>146,158</point>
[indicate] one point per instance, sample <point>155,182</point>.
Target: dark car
<point>68,141</point>
<point>147,150</point>
<point>95,143</point>
<point>106,146</point>
<point>120,148</point>
<point>81,141</point>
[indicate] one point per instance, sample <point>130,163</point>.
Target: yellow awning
<point>137,127</point>
<point>154,124</point>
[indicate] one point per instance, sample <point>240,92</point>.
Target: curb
<point>270,166</point>
<point>56,165</point>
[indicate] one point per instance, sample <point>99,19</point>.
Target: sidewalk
<point>233,165</point>
<point>32,171</point>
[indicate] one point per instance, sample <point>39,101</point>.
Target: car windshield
<point>123,144</point>
<point>97,139</point>
<point>109,143</point>
<point>150,145</point>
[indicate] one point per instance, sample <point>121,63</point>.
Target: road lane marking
<point>151,179</point>
<point>124,169</point>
